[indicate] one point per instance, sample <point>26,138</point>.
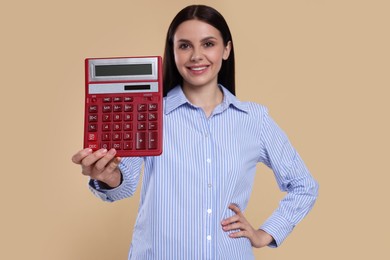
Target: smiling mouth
<point>198,68</point>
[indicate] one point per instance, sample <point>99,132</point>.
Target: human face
<point>199,50</point>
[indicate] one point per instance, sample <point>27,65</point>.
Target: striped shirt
<point>207,164</point>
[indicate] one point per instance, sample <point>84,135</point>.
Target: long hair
<point>171,75</point>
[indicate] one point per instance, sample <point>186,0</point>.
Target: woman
<point>194,194</point>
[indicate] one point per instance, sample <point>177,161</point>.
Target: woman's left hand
<point>259,238</point>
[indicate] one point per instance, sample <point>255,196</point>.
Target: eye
<point>208,44</point>
<point>184,46</point>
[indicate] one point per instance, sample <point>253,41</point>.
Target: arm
<point>111,178</point>
<point>292,177</point>
<point>258,238</point>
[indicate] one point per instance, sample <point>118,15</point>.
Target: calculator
<point>123,105</point>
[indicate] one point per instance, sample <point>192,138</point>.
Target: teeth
<point>200,68</point>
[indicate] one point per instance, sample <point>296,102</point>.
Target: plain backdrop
<point>321,67</point>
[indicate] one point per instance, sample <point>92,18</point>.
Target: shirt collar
<point>176,98</point>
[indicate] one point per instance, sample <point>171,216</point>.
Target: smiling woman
<point>194,194</point>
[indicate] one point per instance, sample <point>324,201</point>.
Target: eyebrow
<point>203,40</point>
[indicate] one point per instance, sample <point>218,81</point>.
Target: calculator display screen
<point>123,70</point>
<point>137,87</point>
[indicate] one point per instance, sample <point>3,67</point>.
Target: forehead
<point>195,30</point>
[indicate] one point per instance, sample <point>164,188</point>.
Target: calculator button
<point>93,146</point>
<point>92,127</point>
<point>116,136</point>
<point>117,146</point>
<point>152,107</point>
<point>128,117</point>
<point>106,127</point>
<point>128,108</point>
<point>117,108</point>
<point>141,116</point>
<point>127,136</point>
<point>128,99</point>
<point>152,116</point>
<point>127,146</point>
<point>92,118</point>
<point>141,107</point>
<point>117,99</point>
<point>106,100</point>
<point>117,117</point>
<point>92,136</point>
<point>93,109</point>
<point>127,127</point>
<point>117,127</point>
<point>106,137</point>
<point>140,141</point>
<point>105,146</point>
<point>152,126</point>
<point>152,140</point>
<point>141,126</point>
<point>106,118</point>
<point>107,108</point>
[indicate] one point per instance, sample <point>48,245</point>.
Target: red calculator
<point>123,105</point>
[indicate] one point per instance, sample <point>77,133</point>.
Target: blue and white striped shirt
<point>207,164</point>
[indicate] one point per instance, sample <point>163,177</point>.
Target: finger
<point>234,226</point>
<point>93,158</point>
<point>230,220</point>
<point>113,164</point>
<point>110,168</point>
<point>80,155</point>
<point>241,233</point>
<point>104,161</point>
<point>235,208</point>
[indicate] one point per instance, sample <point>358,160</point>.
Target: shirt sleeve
<point>130,168</point>
<point>292,177</point>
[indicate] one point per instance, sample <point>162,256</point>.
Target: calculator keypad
<point>130,124</point>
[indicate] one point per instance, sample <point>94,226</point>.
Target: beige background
<point>322,68</point>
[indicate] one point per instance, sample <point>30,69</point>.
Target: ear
<point>226,51</point>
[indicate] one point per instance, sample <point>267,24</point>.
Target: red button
<point>152,140</point>
<point>92,118</point>
<point>152,107</point>
<point>92,136</point>
<point>141,107</point>
<point>117,146</point>
<point>152,126</point>
<point>93,146</point>
<point>93,109</point>
<point>140,141</point>
<point>92,128</point>
<point>127,146</point>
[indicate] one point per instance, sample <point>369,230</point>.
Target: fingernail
<point>112,151</point>
<point>103,151</point>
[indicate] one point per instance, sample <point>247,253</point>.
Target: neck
<point>206,98</point>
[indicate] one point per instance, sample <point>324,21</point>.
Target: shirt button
<point>208,160</point>
<point>208,237</point>
<point>209,211</point>
<point>209,185</point>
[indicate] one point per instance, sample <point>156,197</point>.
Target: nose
<point>196,55</point>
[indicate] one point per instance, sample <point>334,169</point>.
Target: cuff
<point>102,190</point>
<point>278,227</point>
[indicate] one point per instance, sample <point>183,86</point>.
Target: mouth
<point>197,69</point>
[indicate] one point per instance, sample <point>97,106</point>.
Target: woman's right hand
<point>101,165</point>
